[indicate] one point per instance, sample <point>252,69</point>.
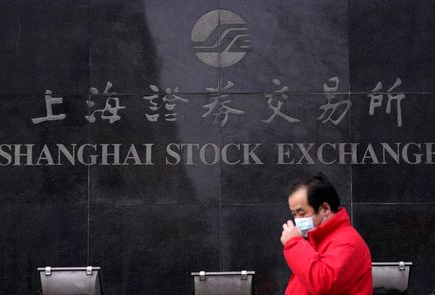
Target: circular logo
<point>220,38</point>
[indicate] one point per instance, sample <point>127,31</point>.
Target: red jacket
<point>334,260</point>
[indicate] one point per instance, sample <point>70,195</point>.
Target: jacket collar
<point>341,218</point>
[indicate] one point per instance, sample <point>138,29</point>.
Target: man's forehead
<point>298,200</point>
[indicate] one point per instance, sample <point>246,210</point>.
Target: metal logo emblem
<point>220,38</point>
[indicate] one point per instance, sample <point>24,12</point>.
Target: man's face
<point>299,207</point>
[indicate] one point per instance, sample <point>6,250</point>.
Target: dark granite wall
<point>152,216</point>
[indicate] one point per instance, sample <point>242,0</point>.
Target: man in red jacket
<point>324,252</point>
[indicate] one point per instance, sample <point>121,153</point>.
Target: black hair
<point>319,190</point>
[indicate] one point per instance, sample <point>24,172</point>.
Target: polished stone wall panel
<point>170,25</point>
<point>122,49</point>
<point>391,39</point>
<point>145,43</point>
<point>184,177</point>
<point>33,181</point>
<point>410,239</point>
<point>303,43</point>
<point>274,170</point>
<point>39,235</point>
<point>46,45</point>
<point>392,181</point>
<point>153,249</point>
<point>242,225</point>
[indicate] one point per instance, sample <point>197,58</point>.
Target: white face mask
<point>304,224</point>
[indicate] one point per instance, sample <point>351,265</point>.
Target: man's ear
<point>326,209</point>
